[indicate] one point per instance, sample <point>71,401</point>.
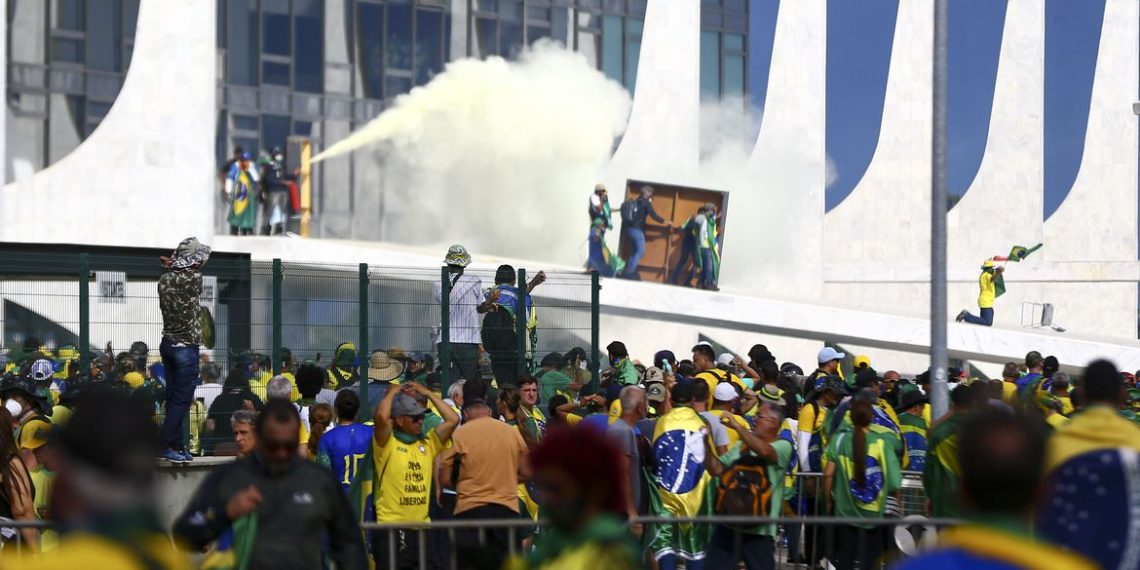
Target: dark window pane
<point>560,25</point>
<point>734,42</point>
<point>632,55</point>
<point>429,55</point>
<point>511,10</point>
<point>710,65</point>
<point>612,47</point>
<point>634,27</point>
<point>733,75</point>
<point>104,34</point>
<point>510,39</point>
<point>303,128</point>
<point>69,15</point>
<point>736,6</point>
<point>246,123</point>
<point>487,6</point>
<point>395,86</point>
<point>369,43</point>
<point>274,130</point>
<point>590,45</point>
<point>486,37</point>
<point>247,144</point>
<point>273,73</point>
<point>308,59</point>
<point>67,50</point>
<point>535,33</point>
<point>275,27</point>
<point>241,42</point>
<point>97,110</point>
<point>131,17</point>
<point>538,13</point>
<point>399,48</point>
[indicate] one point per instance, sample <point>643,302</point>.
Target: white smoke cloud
<point>497,155</point>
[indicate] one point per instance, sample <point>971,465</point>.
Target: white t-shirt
<point>207,392</point>
<point>466,296</point>
<point>719,432</point>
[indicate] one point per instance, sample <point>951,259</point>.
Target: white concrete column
<point>1097,221</point>
<point>790,165</point>
<point>663,134</point>
<point>884,222</point>
<point>145,177</point>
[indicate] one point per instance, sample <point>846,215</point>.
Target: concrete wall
<point>145,177</point>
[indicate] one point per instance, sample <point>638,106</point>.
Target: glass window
<point>733,75</point>
<point>735,6</point>
<point>67,50</point>
<point>486,37</point>
<point>303,128</point>
<point>487,6</point>
<point>308,55</point>
<point>274,73</point>
<point>241,42</point>
<point>632,54</point>
<point>246,123</point>
<point>131,17</point>
<point>369,43</point>
<point>535,33</point>
<point>560,26</point>
<point>274,130</point>
<point>103,35</point>
<point>69,15</point>
<point>275,27</point>
<point>429,53</point>
<point>537,13</point>
<point>395,86</point>
<point>612,42</point>
<point>399,25</point>
<point>510,28</point>
<point>710,65</point>
<point>734,42</point>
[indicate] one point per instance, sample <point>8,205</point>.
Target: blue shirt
<point>346,447</point>
<point>509,298</point>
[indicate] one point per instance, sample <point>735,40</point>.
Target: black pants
<point>857,548</point>
<point>234,231</point>
<point>464,360</point>
<point>496,543</point>
<point>505,366</point>
<point>728,547</point>
<point>407,547</point>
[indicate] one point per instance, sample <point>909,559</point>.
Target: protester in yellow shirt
<point>986,296</point>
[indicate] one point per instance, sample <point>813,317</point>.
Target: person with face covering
<point>278,504</point>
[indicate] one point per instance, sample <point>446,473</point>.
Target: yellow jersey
<point>404,472</point>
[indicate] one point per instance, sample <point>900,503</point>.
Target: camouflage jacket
<point>178,293</point>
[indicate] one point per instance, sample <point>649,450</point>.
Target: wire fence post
<point>365,409</point>
<point>278,277</point>
<point>520,322</point>
<point>595,329</point>
<point>84,312</point>
<point>445,328</point>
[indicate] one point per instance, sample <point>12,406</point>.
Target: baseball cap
<point>37,436</point>
<point>655,392</point>
<point>725,359</point>
<point>828,354</point>
<point>724,392</point>
<point>42,369</point>
<point>862,360</point>
<point>405,405</point>
<point>653,375</point>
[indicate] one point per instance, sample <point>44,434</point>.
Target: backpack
<point>499,331</point>
<point>745,489</point>
<point>628,211</point>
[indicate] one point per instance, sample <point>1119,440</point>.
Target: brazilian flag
<point>1017,253</point>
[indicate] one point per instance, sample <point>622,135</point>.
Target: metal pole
<point>520,322</point>
<point>278,277</point>
<point>365,410</point>
<point>939,359</point>
<point>445,328</point>
<point>595,329</point>
<point>84,312</point>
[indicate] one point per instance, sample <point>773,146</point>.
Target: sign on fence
<point>111,286</point>
<point>209,296</point>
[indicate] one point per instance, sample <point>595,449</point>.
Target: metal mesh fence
<point>95,312</point>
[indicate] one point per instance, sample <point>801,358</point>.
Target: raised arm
<point>383,417</point>
<point>754,442</point>
<point>450,418</point>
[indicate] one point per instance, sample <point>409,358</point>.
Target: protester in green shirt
<point>551,381</point>
<point>625,373</point>
<point>754,544</point>
<point>862,470</point>
<point>941,473</point>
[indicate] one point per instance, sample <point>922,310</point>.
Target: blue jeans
<point>758,552</point>
<point>597,258</point>
<point>707,278</point>
<point>181,363</point>
<point>669,562</point>
<point>637,237</point>
<point>986,320</point>
<point>688,253</point>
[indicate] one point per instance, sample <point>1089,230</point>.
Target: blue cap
<point>828,354</point>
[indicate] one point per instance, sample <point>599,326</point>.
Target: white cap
<point>42,369</point>
<point>828,354</point>
<point>724,392</point>
<point>725,359</point>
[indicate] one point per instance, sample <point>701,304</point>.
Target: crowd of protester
<point>1035,470</point>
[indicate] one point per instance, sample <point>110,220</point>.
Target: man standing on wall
<point>987,282</point>
<point>178,291</point>
<point>633,214</point>
<point>465,302</point>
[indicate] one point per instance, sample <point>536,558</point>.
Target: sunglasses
<point>418,418</point>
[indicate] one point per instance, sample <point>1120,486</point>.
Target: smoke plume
<point>498,155</point>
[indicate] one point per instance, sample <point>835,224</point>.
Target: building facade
<point>320,69</point>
